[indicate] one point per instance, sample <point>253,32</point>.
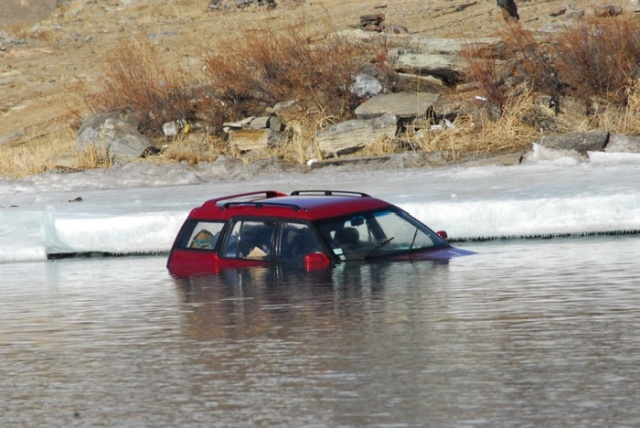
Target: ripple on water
<point>525,333</point>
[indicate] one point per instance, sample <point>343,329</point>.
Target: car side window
<point>250,239</point>
<point>297,240</point>
<point>201,235</point>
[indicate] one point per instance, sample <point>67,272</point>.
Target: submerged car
<point>313,229</point>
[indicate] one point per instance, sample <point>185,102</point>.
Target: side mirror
<point>316,261</point>
<point>442,234</point>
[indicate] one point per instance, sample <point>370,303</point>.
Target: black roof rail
<point>329,193</point>
<point>260,204</point>
<point>257,195</point>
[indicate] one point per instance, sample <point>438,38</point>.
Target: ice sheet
<point>138,208</point>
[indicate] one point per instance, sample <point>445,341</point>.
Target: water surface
<point>525,333</point>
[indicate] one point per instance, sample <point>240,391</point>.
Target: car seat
<point>347,236</point>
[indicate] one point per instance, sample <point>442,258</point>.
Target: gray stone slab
<point>403,105</point>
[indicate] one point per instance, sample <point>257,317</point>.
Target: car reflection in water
<point>236,303</point>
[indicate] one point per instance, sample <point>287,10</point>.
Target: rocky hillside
<point>48,66</point>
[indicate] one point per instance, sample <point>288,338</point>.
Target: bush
<point>600,57</point>
<point>138,82</point>
<point>254,72</point>
<point>484,71</point>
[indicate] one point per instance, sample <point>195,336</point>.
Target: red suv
<point>313,229</point>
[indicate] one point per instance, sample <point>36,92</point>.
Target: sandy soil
<point>45,76</point>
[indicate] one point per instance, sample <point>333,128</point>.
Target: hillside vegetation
<point>163,61</point>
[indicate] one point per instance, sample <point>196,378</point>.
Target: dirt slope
<point>50,66</point>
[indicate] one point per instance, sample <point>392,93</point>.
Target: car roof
<point>301,204</point>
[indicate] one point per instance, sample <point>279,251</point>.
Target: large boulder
<point>115,138</point>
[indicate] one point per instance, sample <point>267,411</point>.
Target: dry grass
<point>511,132</point>
<point>621,119</point>
<point>193,150</point>
<point>595,61</point>
<point>299,142</point>
<point>90,158</point>
<point>29,159</point>
<point>249,74</point>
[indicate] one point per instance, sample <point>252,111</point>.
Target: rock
<point>414,44</point>
<point>450,68</point>
<point>540,153</point>
<point>239,124</point>
<point>396,29</point>
<point>276,124</point>
<point>493,46</point>
<point>6,139</point>
<point>353,135</point>
<point>173,128</point>
<point>115,138</point>
<point>366,86</point>
<point>240,4</point>
<point>261,122</point>
<point>8,39</point>
<point>350,161</point>
<point>623,143</point>
<point>573,12</point>
<point>403,105</point>
<point>607,10</point>
<point>415,83</point>
<point>249,139</point>
<point>372,22</point>
<point>581,142</point>
<point>255,133</point>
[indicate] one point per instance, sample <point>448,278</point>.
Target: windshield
<point>378,233</point>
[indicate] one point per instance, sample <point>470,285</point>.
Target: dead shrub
<point>535,60</point>
<point>529,60</point>
<point>593,61</point>
<point>599,57</point>
<point>483,70</point>
<point>254,72</point>
<point>137,81</point>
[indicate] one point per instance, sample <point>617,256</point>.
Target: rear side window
<point>200,235</point>
<point>296,241</point>
<point>250,239</point>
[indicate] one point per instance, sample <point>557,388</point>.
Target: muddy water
<point>525,333</point>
